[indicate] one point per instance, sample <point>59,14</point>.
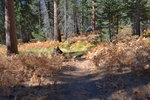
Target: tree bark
<point>25,36</point>
<point>133,25</point>
<point>39,14</point>
<point>109,25</point>
<point>65,17</point>
<point>75,20</point>
<point>110,32</point>
<point>137,18</point>
<point>11,38</point>
<point>117,26</point>
<point>93,15</point>
<point>46,23</point>
<point>57,35</point>
<point>82,20</point>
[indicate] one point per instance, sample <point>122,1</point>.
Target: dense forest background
<point>35,19</point>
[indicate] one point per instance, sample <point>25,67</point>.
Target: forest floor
<point>81,79</point>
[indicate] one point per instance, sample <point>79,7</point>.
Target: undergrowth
<point>125,52</point>
<point>76,44</point>
<point>28,68</point>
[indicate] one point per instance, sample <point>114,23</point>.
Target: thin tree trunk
<point>48,7</point>
<point>93,15</point>
<point>65,16</point>
<point>75,20</point>
<point>137,18</point>
<point>82,23</point>
<point>57,35</point>
<point>117,30</point>
<point>11,38</point>
<point>109,25</point>
<point>39,15</point>
<point>133,26</point>
<point>51,15</point>
<point>110,32</point>
<point>25,36</point>
<point>44,12</point>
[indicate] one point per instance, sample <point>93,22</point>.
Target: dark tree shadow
<point>88,87</point>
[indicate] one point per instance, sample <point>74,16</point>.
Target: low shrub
<point>128,52</point>
<point>19,69</point>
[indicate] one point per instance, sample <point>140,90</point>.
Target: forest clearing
<point>75,50</point>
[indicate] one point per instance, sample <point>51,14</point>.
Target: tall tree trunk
<point>48,8</point>
<point>11,38</point>
<point>46,23</point>
<point>109,25</point>
<point>82,23</point>
<point>39,14</point>
<point>65,17</point>
<point>93,15</point>
<point>137,18</point>
<point>57,35</point>
<point>51,16</point>
<point>75,20</point>
<point>117,25</point>
<point>87,17</point>
<point>110,32</point>
<point>133,25</point>
<point>25,36</point>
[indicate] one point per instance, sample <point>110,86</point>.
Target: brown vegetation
<point>28,69</point>
<point>131,52</point>
<point>17,70</point>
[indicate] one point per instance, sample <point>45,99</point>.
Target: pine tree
<point>46,23</point>
<point>11,38</point>
<point>138,12</point>
<point>57,35</point>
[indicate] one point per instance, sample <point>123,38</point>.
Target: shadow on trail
<point>86,87</point>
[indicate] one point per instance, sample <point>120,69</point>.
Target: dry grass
<point>146,33</point>
<point>90,38</point>
<point>131,52</point>
<point>38,45</point>
<point>33,69</point>
<point>2,49</point>
<point>29,66</point>
<point>75,44</point>
<point>16,70</point>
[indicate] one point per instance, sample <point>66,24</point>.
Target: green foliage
<point>144,10</point>
<point>26,18</point>
<point>41,51</point>
<point>146,35</point>
<point>2,35</point>
<point>110,15</point>
<point>78,46</point>
<point>39,35</point>
<point>143,6</point>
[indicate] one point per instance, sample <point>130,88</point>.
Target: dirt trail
<point>83,82</point>
<point>78,83</point>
